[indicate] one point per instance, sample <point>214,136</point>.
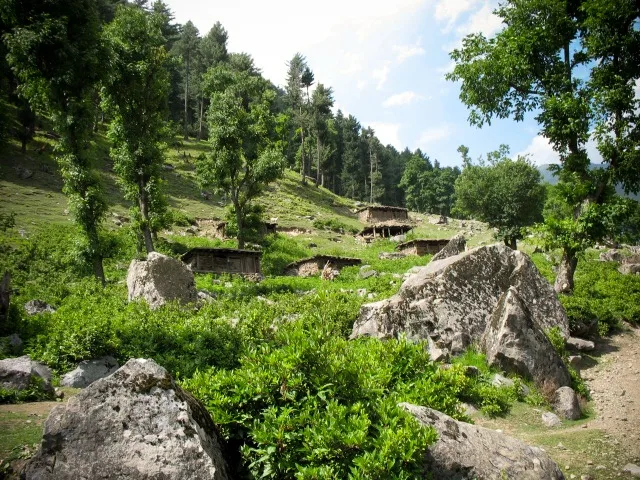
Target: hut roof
<point>325,258</point>
<point>385,208</point>
<point>220,251</point>
<point>423,241</point>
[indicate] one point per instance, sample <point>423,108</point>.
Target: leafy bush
<point>280,251</point>
<point>333,225</point>
<point>33,393</point>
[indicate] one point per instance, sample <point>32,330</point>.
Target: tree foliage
<point>135,96</point>
<point>505,193</point>
<point>56,52</point>
<point>575,64</point>
<point>242,134</point>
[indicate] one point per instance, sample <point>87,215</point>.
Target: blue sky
<point>385,61</point>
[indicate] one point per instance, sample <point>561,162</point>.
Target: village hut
<point>223,260</point>
<point>308,267</point>
<point>269,228</point>
<point>422,246</point>
<point>382,214</point>
<point>383,230</point>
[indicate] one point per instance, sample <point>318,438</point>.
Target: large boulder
<point>36,307</point>
<point>565,403</point>
<point>88,371</point>
<point>134,424</point>
<point>456,297</point>
<point>21,373</point>
<point>160,279</point>
<point>465,451</point>
<point>515,344</point>
<point>456,246</point>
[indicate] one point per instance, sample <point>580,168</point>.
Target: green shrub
<point>34,393</point>
<point>333,225</point>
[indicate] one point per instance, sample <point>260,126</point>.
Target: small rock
<point>34,307</point>
<point>551,419</point>
<point>574,360</point>
<point>580,344</point>
<point>560,446</point>
<point>366,272</point>
<point>501,381</point>
<point>565,403</point>
<point>633,469</point>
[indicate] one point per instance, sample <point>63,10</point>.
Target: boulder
<point>35,307</point>
<point>632,469</point>
<point>515,344</point>
<point>391,255</point>
<point>629,268</point>
<point>580,344</point>
<point>134,424</point>
<point>551,419</point>
<point>366,272</point>
<point>160,279</point>
<point>465,451</point>
<point>458,295</point>
<point>89,371</point>
<point>11,345</point>
<point>21,373</point>
<point>456,246</point>
<point>565,403</point>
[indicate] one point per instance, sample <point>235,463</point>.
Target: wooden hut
<point>223,260</point>
<point>383,230</point>
<point>382,214</point>
<point>308,267</point>
<point>422,246</point>
<point>269,228</point>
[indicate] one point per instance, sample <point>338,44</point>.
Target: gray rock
<point>391,255</point>
<point>206,296</point>
<point>21,373</point>
<point>612,255</point>
<point>160,279</point>
<point>629,268</point>
<point>551,419</point>
<point>456,246</point>
<point>134,424</point>
<point>88,371</point>
<point>459,294</point>
<point>501,381</point>
<point>11,345</point>
<point>465,451</point>
<point>34,307</point>
<point>515,344</point>
<point>634,470</point>
<point>367,272</point>
<point>580,344</point>
<point>575,360</point>
<point>565,403</point>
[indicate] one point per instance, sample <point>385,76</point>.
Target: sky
<point>384,59</point>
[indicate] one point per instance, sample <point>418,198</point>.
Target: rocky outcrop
<point>565,403</point>
<point>612,255</point>
<point>134,424</point>
<point>35,307</point>
<point>456,246</point>
<point>89,371</point>
<point>465,451</point>
<point>456,297</point>
<point>22,373</point>
<point>160,279</point>
<point>515,344</point>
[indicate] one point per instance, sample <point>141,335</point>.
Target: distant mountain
<point>550,178</point>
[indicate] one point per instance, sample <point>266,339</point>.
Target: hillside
<point>548,177</point>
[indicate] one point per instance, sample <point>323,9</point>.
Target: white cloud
<point>483,21</point>
<point>449,11</point>
<point>387,133</point>
<point>448,68</point>
<point>381,75</point>
<point>338,106</point>
<point>351,64</point>
<point>400,99</point>
<point>540,152</point>
<point>637,88</point>
<point>361,84</point>
<point>435,134</point>
<point>403,52</point>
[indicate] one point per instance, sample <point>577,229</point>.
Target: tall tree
<point>576,66</point>
<point>135,96</point>
<point>187,48</point>
<point>242,135</point>
<point>296,68</point>
<point>505,193</point>
<point>57,55</point>
<point>321,105</point>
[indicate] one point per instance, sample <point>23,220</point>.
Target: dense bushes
<point>311,404</point>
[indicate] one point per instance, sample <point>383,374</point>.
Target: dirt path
<point>614,382</point>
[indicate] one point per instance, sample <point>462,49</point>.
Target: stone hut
<point>381,214</point>
<point>223,260</point>
<point>422,246</point>
<point>308,267</point>
<point>212,228</point>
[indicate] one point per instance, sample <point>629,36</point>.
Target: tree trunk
<point>302,161</point>
<point>566,270</point>
<point>96,259</point>
<point>318,148</point>
<point>186,101</point>
<point>144,212</point>
<point>201,115</point>
<point>240,222</point>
